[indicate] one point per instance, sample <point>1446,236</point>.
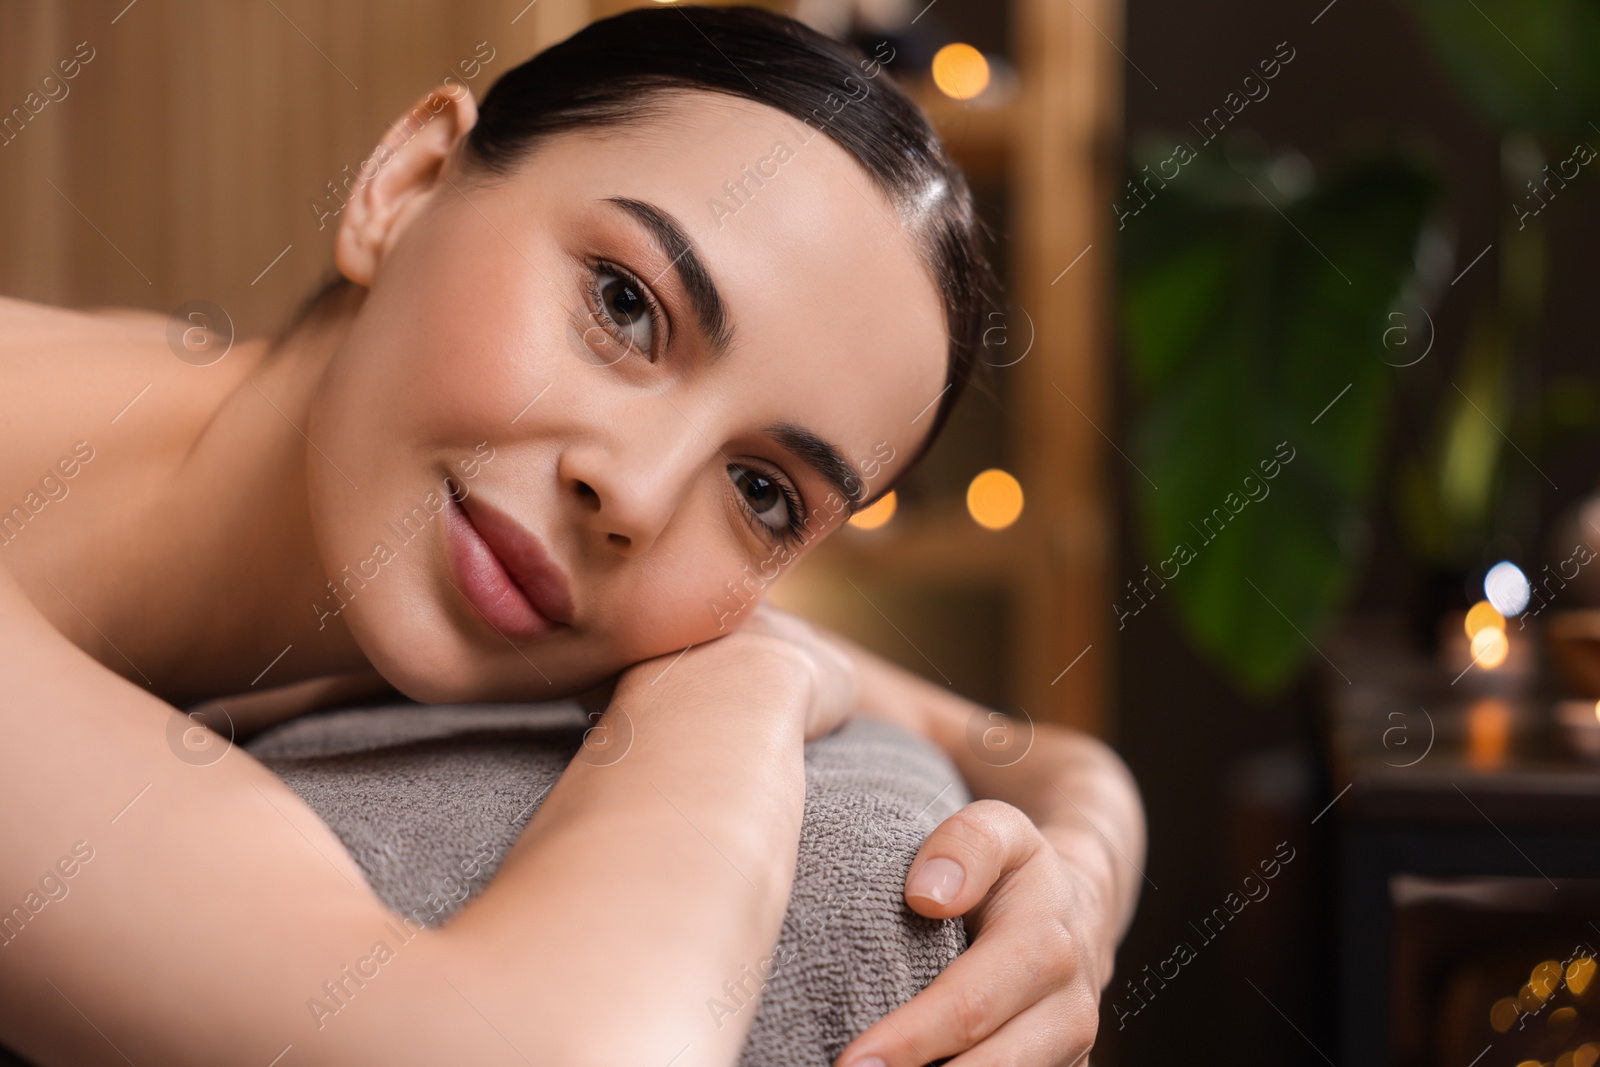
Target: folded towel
<point>428,799</point>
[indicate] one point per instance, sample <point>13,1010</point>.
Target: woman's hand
<point>768,632</point>
<point>1049,880</point>
<point>1027,990</point>
<point>833,675</point>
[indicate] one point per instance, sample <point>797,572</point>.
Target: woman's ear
<point>403,171</point>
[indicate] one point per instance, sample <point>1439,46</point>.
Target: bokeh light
<point>1488,733</point>
<point>1580,972</point>
<point>960,71</point>
<point>875,516</point>
<point>994,499</point>
<point>1545,979</point>
<point>1482,616</point>
<point>1489,648</point>
<point>1528,998</point>
<point>1507,588</point>
<point>1503,1016</point>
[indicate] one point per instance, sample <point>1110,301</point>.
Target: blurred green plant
<point>1242,318</point>
<point>1254,301</point>
<point>1507,59</point>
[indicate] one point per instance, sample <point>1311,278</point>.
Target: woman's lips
<point>504,571</point>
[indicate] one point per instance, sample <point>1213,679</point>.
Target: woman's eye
<point>628,309</point>
<point>764,496</point>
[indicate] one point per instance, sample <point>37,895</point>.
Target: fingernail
<point>939,880</point>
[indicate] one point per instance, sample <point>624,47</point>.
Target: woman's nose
<point>628,485</point>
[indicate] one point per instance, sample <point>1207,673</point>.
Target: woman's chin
<point>432,662</point>
<point>426,659</point>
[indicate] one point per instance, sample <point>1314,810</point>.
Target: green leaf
<point>1524,65</point>
<point>1254,336</point>
<point>1177,301</point>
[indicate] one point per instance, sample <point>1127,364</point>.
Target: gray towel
<point>428,799</point>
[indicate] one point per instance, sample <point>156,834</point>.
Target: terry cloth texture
<point>429,798</point>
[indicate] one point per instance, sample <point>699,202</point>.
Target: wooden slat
<point>200,133</point>
<point>1062,189</point>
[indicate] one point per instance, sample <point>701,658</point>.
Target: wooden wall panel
<point>200,132</point>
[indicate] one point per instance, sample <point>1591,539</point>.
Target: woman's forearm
<point>655,876</point>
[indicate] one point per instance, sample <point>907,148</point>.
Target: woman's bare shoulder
<point>41,342</point>
<point>60,367</point>
<point>70,377</point>
<point>21,314</point>
<point>29,638</point>
<point>27,321</point>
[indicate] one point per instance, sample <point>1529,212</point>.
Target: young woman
<point>690,287</point>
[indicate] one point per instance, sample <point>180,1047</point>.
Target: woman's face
<point>642,429</point>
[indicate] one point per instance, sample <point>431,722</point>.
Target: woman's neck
<point>232,557</point>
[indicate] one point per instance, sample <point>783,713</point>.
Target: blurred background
<point>1280,474</point>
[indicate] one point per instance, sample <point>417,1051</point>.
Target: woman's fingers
<point>1005,972</point>
<point>989,862</point>
<point>966,855</point>
<point>1059,1031</point>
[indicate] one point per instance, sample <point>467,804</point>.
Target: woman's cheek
<point>688,603</point>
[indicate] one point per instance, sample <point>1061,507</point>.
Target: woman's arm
<point>209,917</point>
<point>1050,866</point>
<point>243,715</point>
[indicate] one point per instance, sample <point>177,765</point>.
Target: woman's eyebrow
<point>816,453</point>
<point>823,458</point>
<point>675,244</point>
